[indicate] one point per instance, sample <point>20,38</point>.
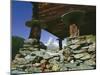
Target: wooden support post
<point>73,30</point>
<point>60,44</point>
<point>35,33</point>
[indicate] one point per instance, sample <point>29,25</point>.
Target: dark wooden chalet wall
<point>51,13</point>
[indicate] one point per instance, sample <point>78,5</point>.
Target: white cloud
<point>52,43</point>
<point>64,42</point>
<point>55,43</point>
<point>49,41</point>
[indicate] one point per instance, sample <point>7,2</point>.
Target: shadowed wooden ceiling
<point>50,14</point>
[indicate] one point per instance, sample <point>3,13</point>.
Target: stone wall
<point>79,54</point>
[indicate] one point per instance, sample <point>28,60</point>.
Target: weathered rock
<point>89,41</point>
<point>38,53</point>
<point>70,65</point>
<point>90,62</point>
<point>36,64</point>
<point>86,56</point>
<point>55,67</point>
<point>16,72</point>
<point>66,55</point>
<point>47,56</point>
<point>33,70</point>
<point>20,61</point>
<point>82,42</point>
<point>93,56</point>
<point>52,61</point>
<point>30,41</point>
<point>84,67</point>
<point>79,61</point>
<point>36,46</point>
<point>48,66</point>
<point>72,61</point>
<point>43,61</point>
<point>25,52</point>
<point>32,48</point>
<point>82,37</point>
<point>23,49</point>
<point>82,56</point>
<point>91,38</point>
<point>13,66</point>
<point>74,46</point>
<point>79,51</point>
<point>30,58</point>
<point>91,48</point>
<point>26,45</point>
<point>77,56</point>
<point>85,47</point>
<point>75,41</point>
<point>56,58</point>
<point>63,69</point>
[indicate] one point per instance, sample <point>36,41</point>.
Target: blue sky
<point>22,12</point>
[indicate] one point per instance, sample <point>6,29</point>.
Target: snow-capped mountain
<point>53,43</point>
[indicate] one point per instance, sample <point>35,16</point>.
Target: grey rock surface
<point>79,54</point>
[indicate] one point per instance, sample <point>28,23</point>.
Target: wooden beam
<point>51,9</point>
